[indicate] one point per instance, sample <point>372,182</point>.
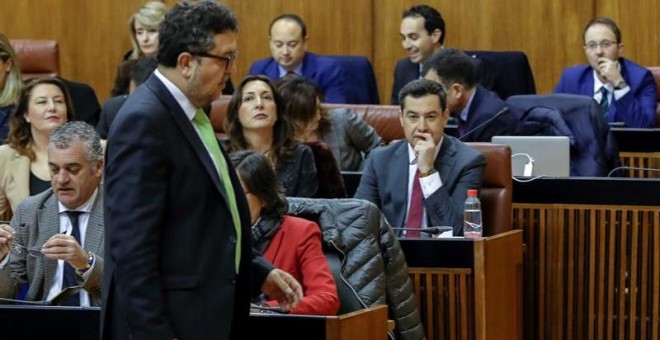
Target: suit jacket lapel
<point>94,233</point>
<point>446,159</point>
<point>400,184</point>
<point>587,86</point>
<point>48,224</point>
<point>188,131</point>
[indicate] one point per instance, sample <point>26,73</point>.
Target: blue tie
<point>69,278</point>
<point>604,102</point>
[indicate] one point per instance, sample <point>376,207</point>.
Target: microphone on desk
<point>429,230</point>
<point>499,114</point>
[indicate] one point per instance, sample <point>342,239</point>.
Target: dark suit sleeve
<point>396,84</point>
<point>637,107</point>
<point>135,199</point>
<point>445,208</point>
<point>368,187</point>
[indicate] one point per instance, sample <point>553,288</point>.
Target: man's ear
<point>305,41</point>
<point>186,64</point>
<point>436,35</point>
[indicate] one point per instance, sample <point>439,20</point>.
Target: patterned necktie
<point>415,210</point>
<point>604,101</point>
<point>69,277</point>
<point>208,137</point>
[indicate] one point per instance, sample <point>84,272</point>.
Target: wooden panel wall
<point>93,34</point>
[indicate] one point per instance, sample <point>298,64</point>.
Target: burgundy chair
<point>37,57</point>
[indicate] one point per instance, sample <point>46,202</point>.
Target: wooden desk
<point>592,260</point>
<point>68,323</point>
<point>468,289</point>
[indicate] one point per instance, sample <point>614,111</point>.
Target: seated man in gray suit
<point>55,239</point>
<point>422,181</point>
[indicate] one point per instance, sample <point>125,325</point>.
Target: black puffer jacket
<point>373,264</point>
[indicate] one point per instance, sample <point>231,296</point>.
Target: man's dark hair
<point>420,88</point>
<point>191,27</point>
<point>143,68</point>
<point>607,22</point>
<point>432,19</point>
<point>257,175</point>
<point>290,17</point>
<point>452,66</point>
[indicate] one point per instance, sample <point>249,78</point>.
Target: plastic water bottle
<point>472,215</point>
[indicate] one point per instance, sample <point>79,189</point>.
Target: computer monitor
<point>548,155</point>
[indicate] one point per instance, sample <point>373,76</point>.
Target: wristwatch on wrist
<point>620,85</point>
<point>90,261</point>
<point>428,173</point>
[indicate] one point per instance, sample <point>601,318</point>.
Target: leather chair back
<point>496,188</point>
<point>360,79</point>
<point>655,70</point>
<point>37,57</point>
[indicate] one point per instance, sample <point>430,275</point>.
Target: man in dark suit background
<point>438,169</point>
<point>179,260</point>
<point>288,48</point>
<point>625,90</point>
<point>469,102</point>
<point>56,237</point>
<point>423,33</point>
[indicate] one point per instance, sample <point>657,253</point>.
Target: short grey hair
<point>71,132</point>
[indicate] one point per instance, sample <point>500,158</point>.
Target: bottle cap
<point>472,192</point>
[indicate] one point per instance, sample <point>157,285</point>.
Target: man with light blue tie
<point>625,91</point>
<point>288,47</point>
<point>55,239</point>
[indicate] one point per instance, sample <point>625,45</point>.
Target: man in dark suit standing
<point>288,48</point>
<point>469,102</point>
<point>422,181</point>
<point>179,260</point>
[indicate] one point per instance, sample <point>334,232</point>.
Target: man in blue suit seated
<point>474,106</point>
<point>288,47</point>
<point>422,181</point>
<point>625,90</point>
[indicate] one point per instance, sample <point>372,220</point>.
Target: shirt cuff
<point>620,93</point>
<point>430,184</point>
<point>4,262</point>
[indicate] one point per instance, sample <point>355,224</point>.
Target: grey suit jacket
<point>35,221</point>
<point>349,138</point>
<point>385,182</point>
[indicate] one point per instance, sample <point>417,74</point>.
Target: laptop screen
<point>550,155</point>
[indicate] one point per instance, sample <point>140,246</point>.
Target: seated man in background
<point>625,90</point>
<point>288,47</point>
<point>422,181</point>
<point>55,239</point>
<point>423,33</point>
<point>472,104</point>
<point>142,69</point>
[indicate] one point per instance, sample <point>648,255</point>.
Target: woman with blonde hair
<point>143,29</point>
<point>43,105</point>
<point>11,81</point>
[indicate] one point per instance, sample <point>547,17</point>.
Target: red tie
<point>416,208</point>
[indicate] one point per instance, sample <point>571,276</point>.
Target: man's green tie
<point>208,137</point>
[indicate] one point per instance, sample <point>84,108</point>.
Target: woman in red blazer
<point>290,243</point>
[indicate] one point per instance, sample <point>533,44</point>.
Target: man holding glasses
<point>625,91</point>
<point>55,239</point>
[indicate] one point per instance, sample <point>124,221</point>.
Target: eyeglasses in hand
<point>19,249</point>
